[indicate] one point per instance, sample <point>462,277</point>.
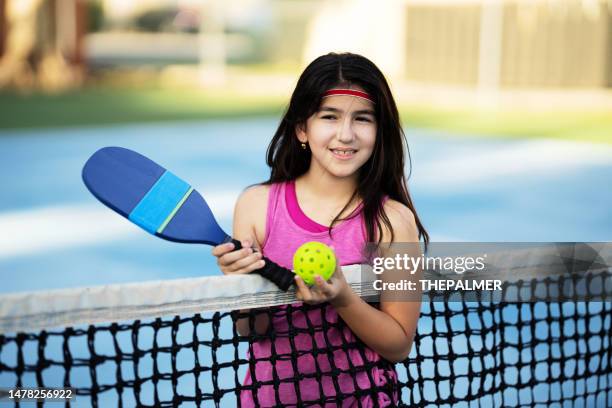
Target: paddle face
<point>151,197</point>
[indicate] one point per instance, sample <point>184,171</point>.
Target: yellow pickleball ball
<point>312,259</point>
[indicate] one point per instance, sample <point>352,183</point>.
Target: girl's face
<point>340,135</point>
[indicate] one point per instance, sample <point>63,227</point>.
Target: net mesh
<point>465,353</point>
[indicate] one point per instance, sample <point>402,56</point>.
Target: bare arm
<point>397,320</point>
<point>249,228</point>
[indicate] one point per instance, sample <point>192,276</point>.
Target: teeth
<point>344,152</point>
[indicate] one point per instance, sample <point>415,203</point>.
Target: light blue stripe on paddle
<point>159,202</point>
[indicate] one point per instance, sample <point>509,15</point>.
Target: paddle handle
<point>281,277</point>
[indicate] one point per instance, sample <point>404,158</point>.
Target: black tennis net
<point>466,353</point>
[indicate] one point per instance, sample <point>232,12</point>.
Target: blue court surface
<point>56,235</point>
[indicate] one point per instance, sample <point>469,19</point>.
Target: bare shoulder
<point>256,194</point>
<point>250,213</point>
<point>398,212</point>
<point>403,222</point>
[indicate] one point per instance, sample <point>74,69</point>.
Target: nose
<point>345,130</point>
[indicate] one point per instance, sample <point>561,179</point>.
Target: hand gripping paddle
<point>161,203</point>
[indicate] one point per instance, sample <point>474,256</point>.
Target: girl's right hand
<point>245,260</point>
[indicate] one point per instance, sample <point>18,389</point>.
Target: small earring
<point>303,146</point>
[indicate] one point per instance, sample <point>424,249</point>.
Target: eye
<point>329,117</point>
<point>364,119</point>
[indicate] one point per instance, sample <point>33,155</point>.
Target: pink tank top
<point>342,363</point>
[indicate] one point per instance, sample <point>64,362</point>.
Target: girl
<point>337,177</point>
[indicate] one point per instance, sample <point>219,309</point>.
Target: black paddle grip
<point>281,277</point>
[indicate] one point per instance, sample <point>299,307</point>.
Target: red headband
<point>349,92</point>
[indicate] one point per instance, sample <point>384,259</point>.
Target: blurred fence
<point>566,44</point>
<point>484,43</point>
<point>540,43</point>
<point>442,43</point>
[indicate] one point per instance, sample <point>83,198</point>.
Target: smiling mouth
<point>344,152</point>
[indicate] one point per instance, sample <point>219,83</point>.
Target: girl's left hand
<point>322,291</point>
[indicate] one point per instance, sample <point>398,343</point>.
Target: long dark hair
<point>383,173</point>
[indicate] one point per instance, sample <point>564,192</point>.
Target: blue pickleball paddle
<point>161,203</point>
